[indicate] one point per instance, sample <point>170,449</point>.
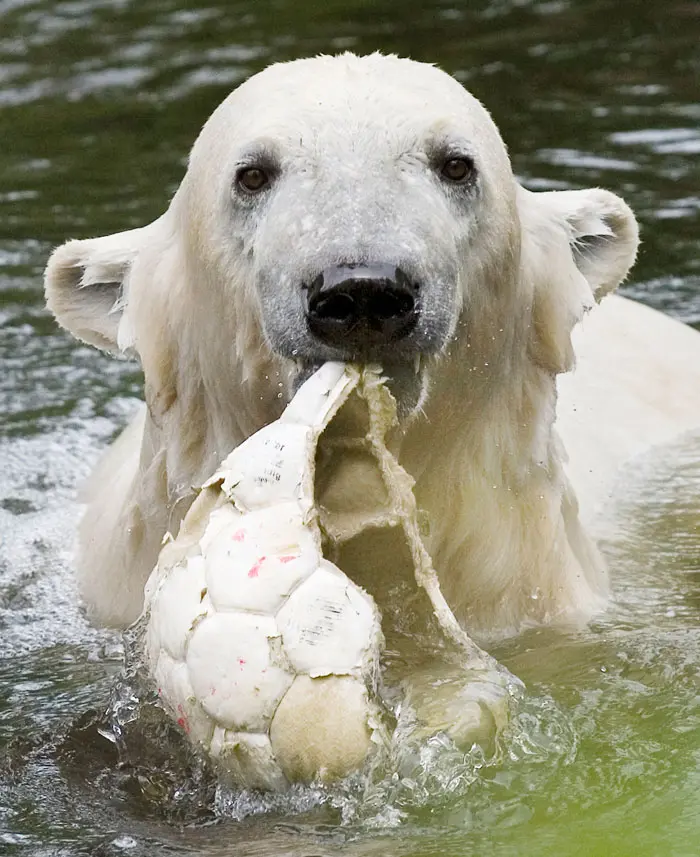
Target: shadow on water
<point>99,103</point>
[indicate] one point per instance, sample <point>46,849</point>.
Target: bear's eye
<point>458,170</point>
<point>252,179</point>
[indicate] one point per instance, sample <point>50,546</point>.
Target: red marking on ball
<point>182,720</point>
<point>289,558</point>
<point>238,536</point>
<point>241,662</point>
<point>255,570</point>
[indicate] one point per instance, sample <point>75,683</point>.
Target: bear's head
<point>348,208</point>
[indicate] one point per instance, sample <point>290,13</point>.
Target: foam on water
<point>39,512</point>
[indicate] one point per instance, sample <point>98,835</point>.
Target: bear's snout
<point>359,308</point>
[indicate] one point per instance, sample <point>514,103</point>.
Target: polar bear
<point>365,209</point>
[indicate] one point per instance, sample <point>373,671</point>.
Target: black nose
<point>361,306</point>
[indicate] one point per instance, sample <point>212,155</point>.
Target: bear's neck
<point>505,535</point>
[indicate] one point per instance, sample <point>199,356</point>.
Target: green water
<point>99,103</point>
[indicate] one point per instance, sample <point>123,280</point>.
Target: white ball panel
<point>255,564</point>
<point>176,603</point>
<point>328,625</point>
<point>256,581</point>
<point>248,759</point>
<point>269,467</point>
<point>231,668</point>
<point>275,531</point>
<point>322,728</point>
<point>224,516</point>
<point>174,688</point>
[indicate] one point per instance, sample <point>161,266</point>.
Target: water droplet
<point>124,843</point>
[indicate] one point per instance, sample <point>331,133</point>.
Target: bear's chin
<point>407,383</point>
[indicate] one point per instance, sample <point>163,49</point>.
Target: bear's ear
<point>86,285</point>
<point>576,247</point>
<point>601,231</point>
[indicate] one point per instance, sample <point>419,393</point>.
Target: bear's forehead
<point>349,79</point>
<point>347,96</point>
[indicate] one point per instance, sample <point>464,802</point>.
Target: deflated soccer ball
<point>254,640</point>
<point>263,650</point>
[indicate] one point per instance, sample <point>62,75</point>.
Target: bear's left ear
<point>577,246</point>
<point>86,284</point>
<point>602,234</point>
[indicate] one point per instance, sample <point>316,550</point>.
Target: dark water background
<point>100,101</point>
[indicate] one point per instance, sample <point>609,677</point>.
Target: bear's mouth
<point>406,381</point>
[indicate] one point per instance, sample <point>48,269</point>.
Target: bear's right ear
<point>86,285</point>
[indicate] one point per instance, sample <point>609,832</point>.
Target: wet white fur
<point>181,294</point>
